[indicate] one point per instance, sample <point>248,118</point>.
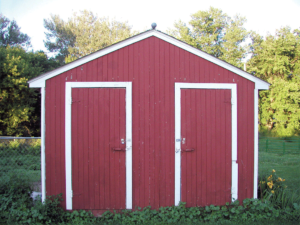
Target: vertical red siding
<point>99,162</point>
<point>194,122</point>
<point>153,66</point>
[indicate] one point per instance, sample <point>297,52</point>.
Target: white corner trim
<point>38,81</point>
<point>68,136</point>
<point>43,158</point>
<point>255,184</point>
<point>234,175</point>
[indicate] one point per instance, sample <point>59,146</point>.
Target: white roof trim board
<point>40,80</point>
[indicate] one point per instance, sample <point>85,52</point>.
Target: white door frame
<point>68,135</point>
<point>234,175</point>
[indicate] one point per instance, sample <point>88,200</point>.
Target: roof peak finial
<point>153,25</point>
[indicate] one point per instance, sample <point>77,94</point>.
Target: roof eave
<point>40,80</point>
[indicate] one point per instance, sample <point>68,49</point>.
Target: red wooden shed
<point>149,121</point>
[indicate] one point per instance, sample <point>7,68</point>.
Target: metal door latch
<point>188,150</point>
<point>183,141</point>
<point>118,149</point>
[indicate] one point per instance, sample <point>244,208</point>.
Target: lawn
<point>286,164</point>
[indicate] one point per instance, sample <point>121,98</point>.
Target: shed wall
<point>153,66</point>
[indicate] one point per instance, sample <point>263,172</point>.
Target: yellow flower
<point>272,192</point>
<point>273,171</point>
<point>270,184</point>
<point>279,179</point>
<point>269,178</point>
<point>283,180</point>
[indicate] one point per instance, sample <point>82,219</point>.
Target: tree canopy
<point>215,33</point>
<point>276,59</point>
<point>82,34</point>
<point>19,104</point>
<point>10,34</point>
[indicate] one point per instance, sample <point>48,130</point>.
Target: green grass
<point>287,167</point>
<point>286,164</point>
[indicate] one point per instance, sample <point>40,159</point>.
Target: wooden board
<point>205,147</point>
<point>98,163</point>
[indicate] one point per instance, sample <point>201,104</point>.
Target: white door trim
<point>255,177</point>
<point>68,151</point>
<point>234,175</point>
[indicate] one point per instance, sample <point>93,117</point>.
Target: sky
<point>263,16</point>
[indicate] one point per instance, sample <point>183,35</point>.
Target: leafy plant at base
<point>21,209</point>
<point>15,198</point>
<point>273,189</point>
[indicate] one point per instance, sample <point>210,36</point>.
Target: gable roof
<point>39,81</point>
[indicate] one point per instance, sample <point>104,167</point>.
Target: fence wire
<point>288,145</point>
<point>20,156</point>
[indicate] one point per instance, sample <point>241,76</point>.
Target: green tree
<point>277,55</point>
<point>279,107</point>
<point>19,104</point>
<point>10,34</point>
<point>277,60</point>
<point>215,33</point>
<point>59,37</point>
<point>83,34</point>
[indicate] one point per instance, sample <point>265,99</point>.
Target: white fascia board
<point>260,84</point>
<point>35,82</point>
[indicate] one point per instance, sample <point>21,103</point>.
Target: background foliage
<point>82,34</point>
<point>276,60</point>
<point>214,32</point>
<point>19,104</point>
<point>10,34</point>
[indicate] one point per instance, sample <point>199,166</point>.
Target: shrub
<point>16,206</point>
<point>15,192</point>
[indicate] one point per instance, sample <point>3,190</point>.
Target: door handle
<point>118,149</point>
<point>188,150</point>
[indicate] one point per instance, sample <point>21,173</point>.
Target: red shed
<point>149,121</point>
